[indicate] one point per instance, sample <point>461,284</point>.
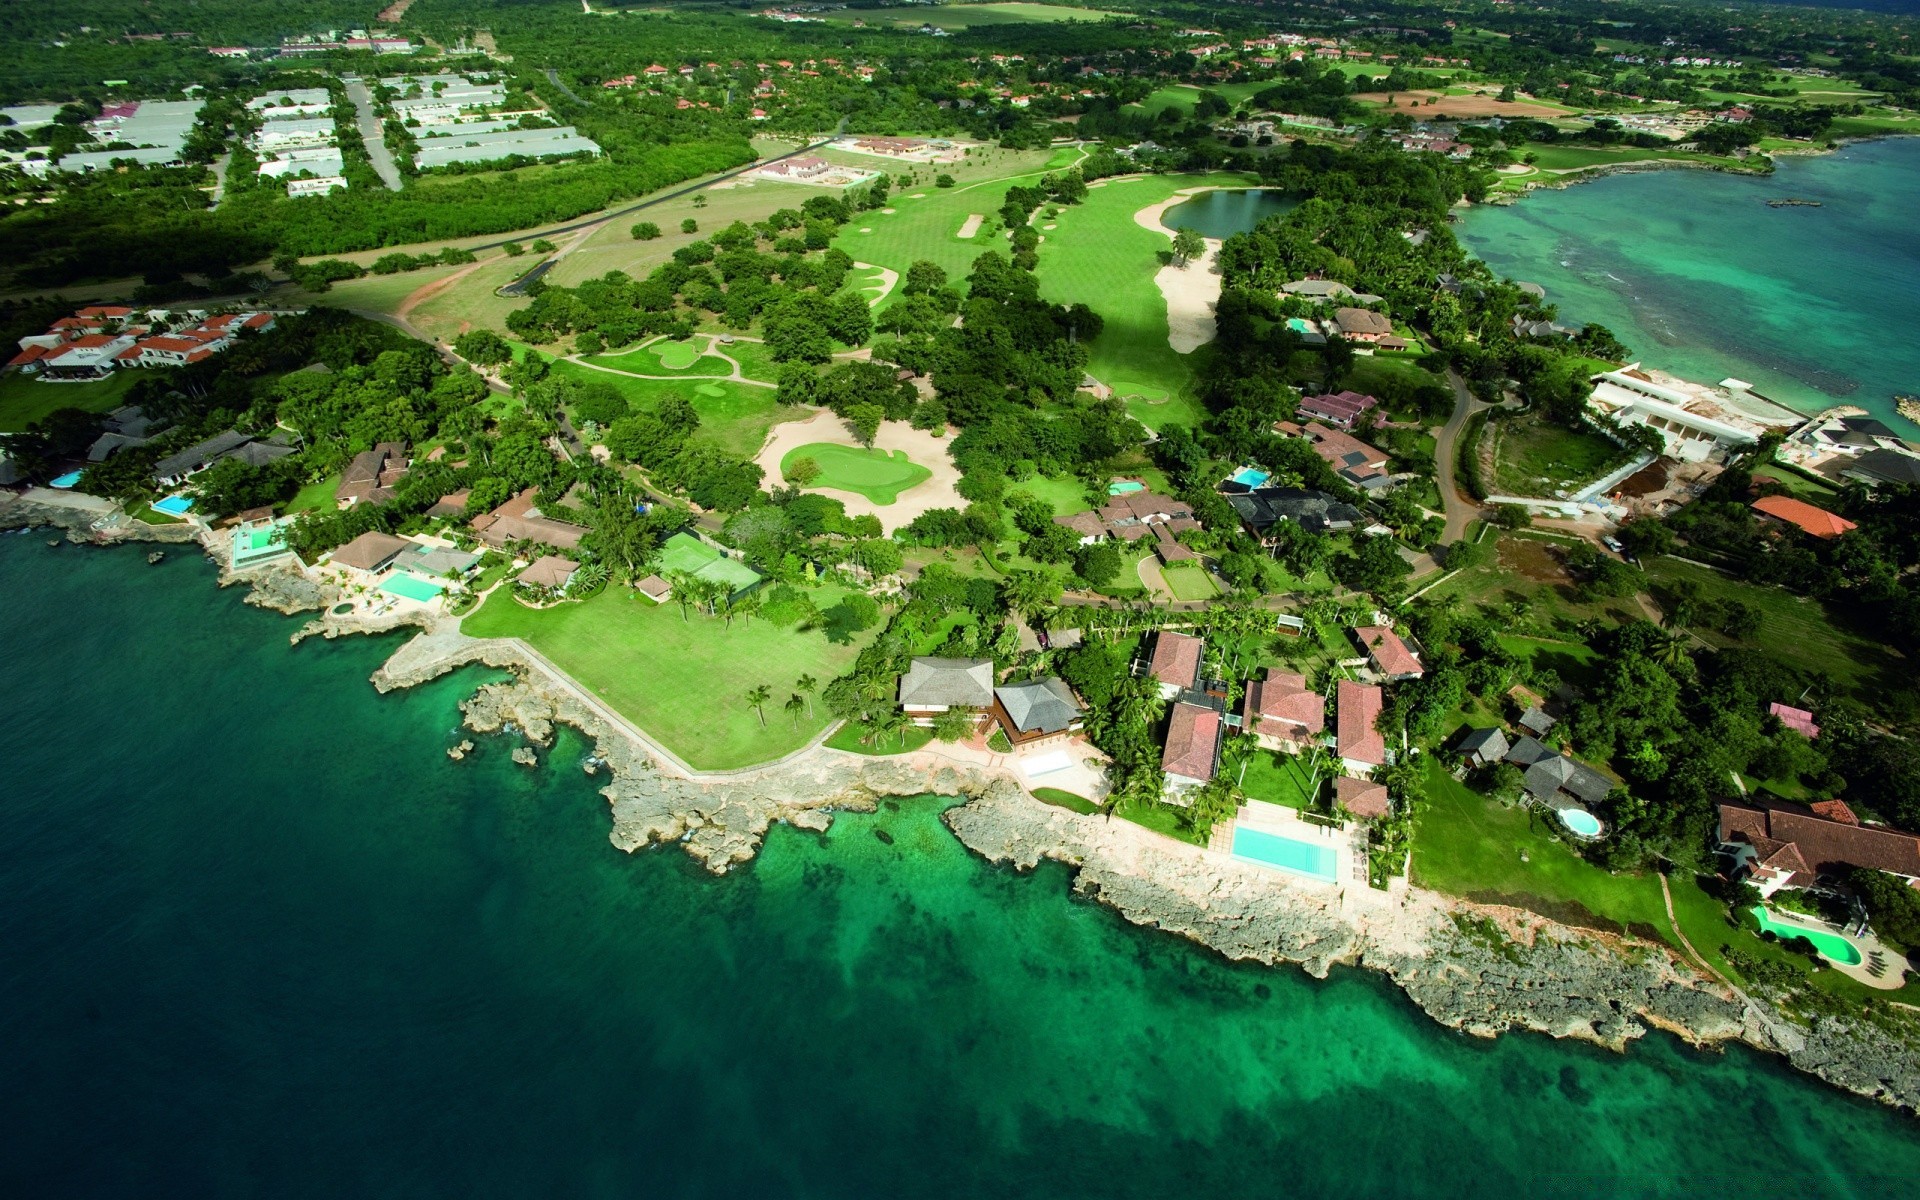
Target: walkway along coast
<point>1478,968</point>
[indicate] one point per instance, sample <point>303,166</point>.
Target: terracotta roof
<point>1193,742</point>
<point>1356,707</point>
<point>1362,797</point>
<point>1810,519</point>
<point>1797,719</point>
<point>1390,654</point>
<point>1835,810</point>
<point>518,520</point>
<point>1281,705</point>
<point>1176,659</point>
<point>1822,844</point>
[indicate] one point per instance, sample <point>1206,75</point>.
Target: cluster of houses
<point>1416,142</point>
<point>462,119</point>
<point>150,133</point>
<point>1854,449</point>
<point>297,141</point>
<point>1134,516</point>
<point>919,150</point>
<point>812,169</point>
<point>98,340</point>
<point>335,40</point>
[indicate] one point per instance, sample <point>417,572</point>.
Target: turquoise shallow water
<point>1692,270</point>
<point>260,937</point>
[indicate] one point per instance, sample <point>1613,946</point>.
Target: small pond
<point>1224,213</point>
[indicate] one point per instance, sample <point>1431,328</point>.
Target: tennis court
<point>684,552</point>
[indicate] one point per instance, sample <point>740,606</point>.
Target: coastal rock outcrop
<point>282,589</point>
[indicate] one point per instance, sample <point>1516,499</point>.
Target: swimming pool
<point>411,587</point>
<point>1250,476</point>
<point>175,506</point>
<point>66,481</point>
<point>1580,821</point>
<point>1830,945</point>
<point>1121,487</point>
<point>1272,850</point>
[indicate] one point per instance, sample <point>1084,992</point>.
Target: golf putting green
<point>709,389</point>
<point>1140,391</point>
<point>879,475</point>
<point>675,356</point>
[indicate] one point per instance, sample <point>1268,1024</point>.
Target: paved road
<point>1460,507</point>
<point>370,133</point>
<point>553,77</point>
<point>220,178</point>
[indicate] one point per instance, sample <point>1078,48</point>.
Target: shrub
<point>645,231</point>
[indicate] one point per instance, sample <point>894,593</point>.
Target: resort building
<point>1809,519</point>
<point>370,554</point>
<point>550,571</point>
<point>1390,655</point>
<point>1357,707</point>
<point>935,685</point>
<point>1191,755</point>
<point>1282,712</point>
<point>519,520</point>
<point>1363,798</point>
<point>372,475</point>
<point>1780,845</point>
<point>1038,711</point>
<point>1175,664</point>
<point>1696,423</point>
<point>1338,409</point>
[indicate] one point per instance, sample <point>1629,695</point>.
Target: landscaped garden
<point>1279,779</point>
<point>1188,581</point>
<point>879,475</point>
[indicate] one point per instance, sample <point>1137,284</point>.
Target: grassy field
<point>1067,496</point>
<point>1189,582</point>
<point>1806,633</point>
<point>879,475</point>
<point>318,496</point>
<point>664,358</point>
<point>24,400</point>
<point>1796,483</point>
<point>1534,457</point>
<point>859,739</point>
<point>1279,779</point>
<point>733,416</point>
<point>684,681</point>
<point>1066,800</point>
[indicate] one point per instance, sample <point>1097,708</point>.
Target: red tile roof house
<point>1363,798</point>
<point>1282,712</point>
<point>1782,845</point>
<point>1363,466</point>
<point>1797,719</point>
<point>1176,662</point>
<point>1809,519</point>
<point>1191,755</point>
<point>1356,707</point>
<point>1391,656</point>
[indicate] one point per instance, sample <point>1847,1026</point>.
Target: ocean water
<point>260,937</point>
<point>1692,270</point>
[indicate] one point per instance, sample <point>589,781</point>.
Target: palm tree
<point>757,697</point>
<point>685,589</point>
<point>794,705</point>
<point>806,683</point>
<point>746,606</point>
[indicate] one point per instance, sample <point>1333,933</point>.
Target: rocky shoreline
<point>1479,969</point>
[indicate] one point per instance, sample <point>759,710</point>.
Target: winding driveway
<point>1460,508</point>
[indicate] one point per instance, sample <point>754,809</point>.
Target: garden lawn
<point>24,400</point>
<point>1534,457</point>
<point>1188,582</point>
<point>1467,845</point>
<point>879,475</point>
<point>1278,779</point>
<point>1067,494</point>
<point>1066,800</point>
<point>317,497</point>
<point>1572,661</point>
<point>683,681</point>
<point>1818,638</point>
<point>855,738</point>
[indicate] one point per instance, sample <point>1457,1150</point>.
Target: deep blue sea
<point>260,937</point>
<point>1698,276</point>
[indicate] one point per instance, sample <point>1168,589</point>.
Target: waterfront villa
<point>370,554</point>
<point>178,468</point>
<point>1282,712</point>
<point>1777,845</point>
<point>1694,422</point>
<point>1363,798</point>
<point>1191,754</point>
<point>1357,707</point>
<point>518,520</point>
<point>1038,711</point>
<point>935,685</point>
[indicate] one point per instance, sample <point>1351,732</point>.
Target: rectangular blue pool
<point>1249,476</point>
<point>1286,854</point>
<point>66,481</point>
<point>175,506</point>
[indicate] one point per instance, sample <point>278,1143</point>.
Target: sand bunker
<point>919,445</point>
<point>1190,291</point>
<point>971,225</point>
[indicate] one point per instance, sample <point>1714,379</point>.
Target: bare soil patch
<point>1477,105</point>
<point>1532,559</point>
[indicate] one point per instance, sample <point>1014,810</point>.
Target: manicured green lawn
<point>1279,779</point>
<point>1820,639</point>
<point>24,400</point>
<point>1796,484</point>
<point>316,496</point>
<point>1067,495</point>
<point>1161,818</point>
<point>1467,845</point>
<point>756,362</point>
<point>879,475</point>
<point>733,416</point>
<point>664,358</point>
<point>1189,582</point>
<point>683,680</point>
<point>859,739</point>
<point>1066,800</point>
<point>1535,457</point>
